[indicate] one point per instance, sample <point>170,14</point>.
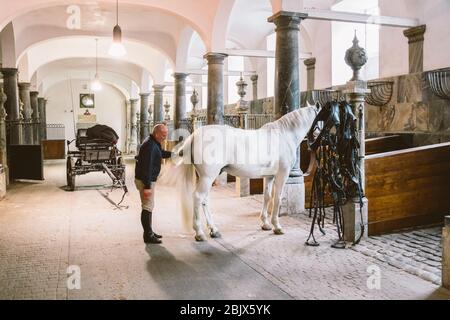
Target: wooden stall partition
<point>389,143</point>
<point>408,188</point>
<point>54,149</point>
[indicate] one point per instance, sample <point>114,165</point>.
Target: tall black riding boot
<point>146,220</point>
<point>151,229</point>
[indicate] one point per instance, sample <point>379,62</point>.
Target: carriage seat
<point>83,141</point>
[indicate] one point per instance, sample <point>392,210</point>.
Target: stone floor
<point>45,230</point>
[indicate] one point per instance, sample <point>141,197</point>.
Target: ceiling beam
<point>329,15</point>
<point>260,53</point>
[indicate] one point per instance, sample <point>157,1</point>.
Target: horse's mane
<point>289,121</point>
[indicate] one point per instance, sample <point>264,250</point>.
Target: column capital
<point>180,75</point>
<point>415,34</point>
<point>254,78</point>
<point>144,94</point>
<point>310,63</point>
<point>34,93</point>
<point>9,72</point>
<point>287,20</point>
<point>215,58</point>
<point>159,88</point>
<point>134,100</point>
<point>24,85</point>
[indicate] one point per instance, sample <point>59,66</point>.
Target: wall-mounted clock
<point>87,100</point>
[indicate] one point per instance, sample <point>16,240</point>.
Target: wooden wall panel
<point>408,188</point>
<point>54,149</point>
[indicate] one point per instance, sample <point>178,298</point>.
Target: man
<point>148,167</point>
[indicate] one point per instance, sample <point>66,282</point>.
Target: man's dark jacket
<point>148,161</point>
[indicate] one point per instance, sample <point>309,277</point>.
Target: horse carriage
<point>95,153</point>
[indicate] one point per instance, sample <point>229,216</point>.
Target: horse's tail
<point>180,173</point>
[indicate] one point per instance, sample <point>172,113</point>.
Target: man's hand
<point>147,193</point>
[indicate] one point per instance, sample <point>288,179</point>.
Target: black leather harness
<point>335,151</point>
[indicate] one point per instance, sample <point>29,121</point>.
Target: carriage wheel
<point>70,175</point>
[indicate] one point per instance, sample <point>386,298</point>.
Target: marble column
<point>254,79</point>
<point>180,99</point>
<point>356,92</point>
<point>12,105</point>
<point>3,144</point>
<point>133,125</point>
<point>24,93</point>
<point>145,117</point>
<point>310,73</point>
<point>42,106</point>
<point>287,97</point>
<point>35,116</point>
<point>415,37</point>
<point>158,112</point>
<point>215,104</point>
<point>446,254</point>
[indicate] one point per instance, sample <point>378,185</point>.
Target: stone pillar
<point>415,41</point>
<point>215,104</point>
<point>446,254</point>
<point>12,105</point>
<point>24,93</point>
<point>180,99</point>
<point>42,106</point>
<point>36,117</point>
<point>254,79</point>
<point>3,144</point>
<point>356,92</point>
<point>310,72</point>
<point>158,112</point>
<point>287,97</point>
<point>145,117</point>
<point>133,125</point>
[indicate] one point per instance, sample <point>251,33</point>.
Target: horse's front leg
<point>267,198</point>
<point>280,181</point>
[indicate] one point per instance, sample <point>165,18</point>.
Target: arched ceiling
<point>146,25</point>
<point>199,14</point>
<point>85,47</point>
<point>121,69</point>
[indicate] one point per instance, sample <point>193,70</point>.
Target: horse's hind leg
<point>213,230</point>
<point>267,198</point>
<point>200,198</point>
<point>280,181</point>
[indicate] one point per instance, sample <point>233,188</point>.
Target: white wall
<point>394,45</point>
<point>110,107</point>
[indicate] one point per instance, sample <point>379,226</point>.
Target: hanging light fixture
<point>117,49</point>
<point>96,85</point>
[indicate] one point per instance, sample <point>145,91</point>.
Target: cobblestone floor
<point>45,229</point>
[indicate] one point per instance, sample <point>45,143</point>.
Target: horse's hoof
<point>278,231</point>
<point>266,227</point>
<point>200,238</point>
<point>215,234</point>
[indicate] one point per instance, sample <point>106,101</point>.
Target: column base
<point>352,220</point>
<point>446,254</point>
<point>293,197</point>
<point>242,187</point>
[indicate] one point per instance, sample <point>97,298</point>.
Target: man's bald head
<point>160,132</point>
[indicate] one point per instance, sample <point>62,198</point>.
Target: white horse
<point>214,149</point>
